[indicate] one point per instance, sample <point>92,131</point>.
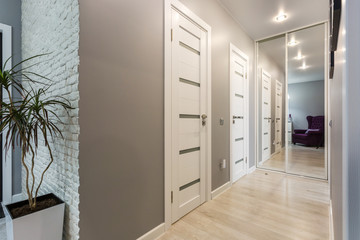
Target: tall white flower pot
<point>46,224</point>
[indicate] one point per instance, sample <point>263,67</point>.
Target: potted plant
<point>24,121</point>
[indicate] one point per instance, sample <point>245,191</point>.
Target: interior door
<point>189,84</point>
<point>266,115</point>
<point>239,112</point>
<point>278,116</point>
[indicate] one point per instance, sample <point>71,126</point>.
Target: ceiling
<point>274,49</point>
<point>257,16</point>
<point>312,47</point>
<point>311,44</point>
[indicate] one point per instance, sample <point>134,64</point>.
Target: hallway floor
<point>306,161</point>
<point>262,205</point>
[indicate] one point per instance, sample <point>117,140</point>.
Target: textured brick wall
<point>52,26</point>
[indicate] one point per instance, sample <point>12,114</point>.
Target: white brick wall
<point>52,26</point>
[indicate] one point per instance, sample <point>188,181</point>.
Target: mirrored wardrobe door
<point>271,67</point>
<point>306,102</point>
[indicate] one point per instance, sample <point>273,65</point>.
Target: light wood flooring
<point>260,206</point>
<point>306,161</point>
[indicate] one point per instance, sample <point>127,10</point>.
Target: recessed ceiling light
<point>281,17</point>
<point>304,66</point>
<point>299,56</point>
<point>292,43</point>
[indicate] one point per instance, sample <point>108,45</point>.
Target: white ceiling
<point>274,49</point>
<point>257,16</point>
<point>312,47</point>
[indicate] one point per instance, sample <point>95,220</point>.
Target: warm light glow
<point>281,17</point>
<point>292,43</point>
<point>299,56</point>
<point>304,66</point>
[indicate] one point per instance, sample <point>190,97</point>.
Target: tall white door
<point>266,115</point>
<point>239,112</point>
<point>189,115</point>
<point>278,116</point>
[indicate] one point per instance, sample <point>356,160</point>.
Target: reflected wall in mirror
<point>271,110</point>
<point>306,102</point>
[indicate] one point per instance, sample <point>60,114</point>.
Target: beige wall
<point>224,31</point>
<point>121,118</point>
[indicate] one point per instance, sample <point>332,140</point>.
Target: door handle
<point>204,117</point>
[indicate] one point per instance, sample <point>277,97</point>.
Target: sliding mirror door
<point>291,96</point>
<point>271,69</point>
<point>306,102</point>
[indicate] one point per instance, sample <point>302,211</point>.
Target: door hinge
<point>172,196</point>
<point>171,34</point>
<point>245,159</point>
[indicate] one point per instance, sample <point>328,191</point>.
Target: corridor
<point>261,205</point>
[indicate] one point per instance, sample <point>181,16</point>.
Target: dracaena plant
<point>28,117</point>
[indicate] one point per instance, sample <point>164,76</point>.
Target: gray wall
<point>121,111</point>
<point>121,118</point>
<point>277,73</point>
<point>353,116</point>
<point>306,99</point>
<point>336,143</point>
<point>10,14</point>
<point>224,31</point>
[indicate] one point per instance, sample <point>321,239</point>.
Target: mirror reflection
<point>291,102</point>
<point>306,102</point>
<point>271,82</point>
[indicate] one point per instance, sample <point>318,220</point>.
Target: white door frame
<point>169,5</point>
<point>6,157</point>
<point>233,48</point>
<point>278,83</point>
<point>262,113</point>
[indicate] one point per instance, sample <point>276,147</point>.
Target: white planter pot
<point>46,224</point>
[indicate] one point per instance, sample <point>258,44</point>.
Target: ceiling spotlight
<point>281,17</point>
<point>293,43</point>
<point>304,66</point>
<point>299,56</point>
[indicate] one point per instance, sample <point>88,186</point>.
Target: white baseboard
<point>153,233</point>
<point>252,169</point>
<point>331,223</point>
<point>220,190</point>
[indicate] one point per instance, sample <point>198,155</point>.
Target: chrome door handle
<point>204,117</point>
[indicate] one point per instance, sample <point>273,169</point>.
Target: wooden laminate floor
<point>260,206</point>
<point>306,161</point>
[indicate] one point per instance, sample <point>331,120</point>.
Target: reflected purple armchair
<point>314,135</point>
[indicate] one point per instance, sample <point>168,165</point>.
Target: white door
<point>278,116</point>
<point>239,112</point>
<point>266,115</point>
<point>189,115</point>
